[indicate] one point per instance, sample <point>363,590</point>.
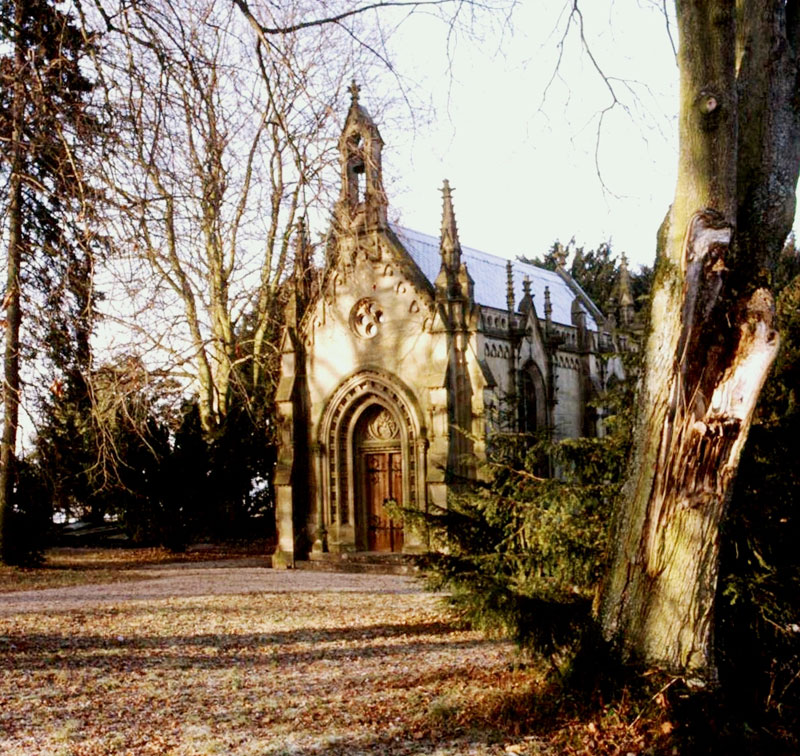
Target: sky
<point>518,133</point>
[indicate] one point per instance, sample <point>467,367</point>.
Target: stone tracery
<point>366,317</point>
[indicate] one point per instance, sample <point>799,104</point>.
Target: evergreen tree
<point>47,124</point>
<point>521,554</point>
<point>597,273</point>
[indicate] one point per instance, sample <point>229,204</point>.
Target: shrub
<point>521,554</point>
<point>29,519</point>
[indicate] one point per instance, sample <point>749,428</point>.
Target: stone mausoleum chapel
<point>401,357</point>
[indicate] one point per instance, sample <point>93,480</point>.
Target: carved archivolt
<point>392,416</point>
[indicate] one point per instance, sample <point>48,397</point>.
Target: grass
<point>267,672</point>
<point>279,668</point>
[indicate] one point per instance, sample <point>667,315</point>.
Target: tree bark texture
<point>12,302</point>
<point>711,340</point>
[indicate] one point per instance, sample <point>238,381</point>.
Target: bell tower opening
<point>356,172</point>
<point>362,202</point>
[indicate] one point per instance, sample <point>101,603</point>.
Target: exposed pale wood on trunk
<point>712,342</point>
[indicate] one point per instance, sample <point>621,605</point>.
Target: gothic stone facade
<point>409,350</point>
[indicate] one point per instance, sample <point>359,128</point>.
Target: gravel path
<point>212,579</point>
<point>247,661</point>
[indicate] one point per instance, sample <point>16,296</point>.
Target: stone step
<point>362,562</point>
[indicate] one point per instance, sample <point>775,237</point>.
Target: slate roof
<point>489,274</point>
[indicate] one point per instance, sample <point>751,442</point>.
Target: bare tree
<point>223,152</point>
<point>228,130</point>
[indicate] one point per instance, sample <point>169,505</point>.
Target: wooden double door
<point>383,482</point>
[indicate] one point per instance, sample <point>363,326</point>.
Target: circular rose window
<point>365,317</point>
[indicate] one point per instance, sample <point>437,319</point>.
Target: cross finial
<point>526,286</point>
<point>446,190</point>
<point>560,255</point>
<point>354,90</point>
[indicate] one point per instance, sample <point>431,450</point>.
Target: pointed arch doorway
<point>379,466</point>
<point>372,451</point>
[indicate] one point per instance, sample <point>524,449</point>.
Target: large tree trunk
<point>12,301</point>
<point>711,341</point>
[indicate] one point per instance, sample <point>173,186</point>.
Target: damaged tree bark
<point>712,341</point>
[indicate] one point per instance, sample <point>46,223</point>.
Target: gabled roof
<point>490,277</point>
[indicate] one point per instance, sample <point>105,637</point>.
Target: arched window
<point>532,409</point>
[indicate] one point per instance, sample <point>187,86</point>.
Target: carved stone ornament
<point>382,427</point>
<point>365,318</point>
